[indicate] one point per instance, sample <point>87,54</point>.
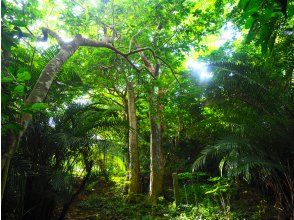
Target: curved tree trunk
<point>134,165</point>
<point>38,94</point>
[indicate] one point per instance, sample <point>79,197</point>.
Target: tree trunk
<point>48,74</point>
<point>38,94</point>
<point>6,159</point>
<point>126,153</point>
<point>155,115</point>
<point>176,188</point>
<point>133,143</point>
<point>156,155</point>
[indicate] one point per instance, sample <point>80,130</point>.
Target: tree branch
<point>47,31</point>
<point>91,43</point>
<point>141,50</point>
<point>153,70</point>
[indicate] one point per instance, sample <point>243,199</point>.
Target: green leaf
<point>23,76</point>
<point>252,4</point>
<point>249,22</point>
<point>19,89</point>
<point>243,3</point>
<point>7,79</point>
<point>250,36</point>
<point>268,14</point>
<point>14,127</point>
<point>252,11</point>
<point>20,23</point>
<point>4,99</point>
<point>3,8</point>
<point>38,106</point>
<point>271,41</point>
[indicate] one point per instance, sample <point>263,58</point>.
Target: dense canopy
<point>147,109</point>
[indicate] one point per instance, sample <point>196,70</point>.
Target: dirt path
<point>93,204</point>
<point>106,202</point>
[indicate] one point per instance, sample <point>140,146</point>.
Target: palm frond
<point>236,156</point>
<point>49,54</point>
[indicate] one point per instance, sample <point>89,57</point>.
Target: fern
<point>236,156</point>
<point>62,181</point>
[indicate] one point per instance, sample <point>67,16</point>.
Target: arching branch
<point>47,31</point>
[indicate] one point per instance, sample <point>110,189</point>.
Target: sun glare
<point>199,69</point>
<point>51,122</point>
<point>42,45</point>
<point>77,10</point>
<point>228,33</point>
<point>83,100</point>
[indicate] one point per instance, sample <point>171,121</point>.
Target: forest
<point>147,109</point>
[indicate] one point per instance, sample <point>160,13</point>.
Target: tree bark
<point>176,188</point>
<point>156,154</point>
<point>126,154</point>
<point>6,159</point>
<point>134,165</point>
<point>126,136</point>
<point>155,117</point>
<point>48,74</point>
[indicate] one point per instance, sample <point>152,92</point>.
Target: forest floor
<point>104,200</point>
<point>93,210</point>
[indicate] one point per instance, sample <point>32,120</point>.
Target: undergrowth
<point>201,197</point>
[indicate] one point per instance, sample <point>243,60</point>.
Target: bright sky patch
<point>200,69</point>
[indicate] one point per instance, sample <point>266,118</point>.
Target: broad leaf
<point>23,76</point>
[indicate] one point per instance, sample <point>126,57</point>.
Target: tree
<point>44,82</point>
<point>164,35</point>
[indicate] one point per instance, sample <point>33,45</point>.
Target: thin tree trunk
<point>6,159</point>
<point>126,154</point>
<point>176,188</point>
<point>133,143</point>
<point>126,147</point>
<point>156,155</point>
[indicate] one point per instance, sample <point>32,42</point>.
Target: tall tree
<point>133,141</point>
<point>155,114</point>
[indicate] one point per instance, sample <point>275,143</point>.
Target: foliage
<point>237,124</point>
<point>265,20</point>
